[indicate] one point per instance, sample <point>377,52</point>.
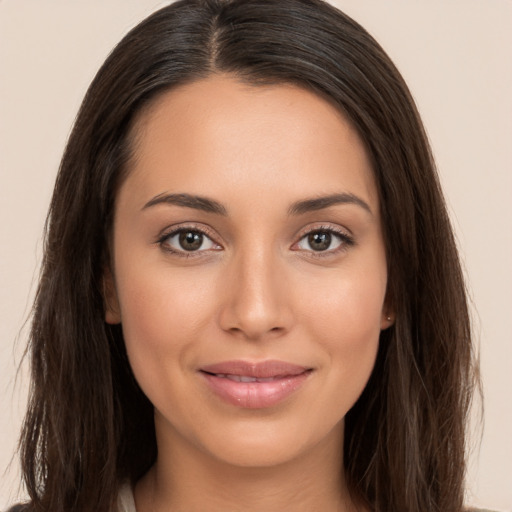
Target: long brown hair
<point>88,426</point>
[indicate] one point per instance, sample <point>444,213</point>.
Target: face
<point>249,269</point>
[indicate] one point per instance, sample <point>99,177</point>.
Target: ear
<point>110,301</point>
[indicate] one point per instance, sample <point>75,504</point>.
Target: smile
<point>254,385</point>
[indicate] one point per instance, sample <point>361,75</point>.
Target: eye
<point>186,240</point>
<point>324,240</point>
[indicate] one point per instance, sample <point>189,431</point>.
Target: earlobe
<point>387,320</point>
<point>111,304</point>
<point>388,315</point>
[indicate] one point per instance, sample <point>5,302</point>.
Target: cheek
<point>347,307</point>
<point>349,329</point>
<point>344,317</point>
<point>162,313</point>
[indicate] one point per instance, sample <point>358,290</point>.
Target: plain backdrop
<point>457,59</point>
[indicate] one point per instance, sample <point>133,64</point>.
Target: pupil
<point>191,241</point>
<point>319,241</point>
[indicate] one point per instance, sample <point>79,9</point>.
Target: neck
<point>186,479</point>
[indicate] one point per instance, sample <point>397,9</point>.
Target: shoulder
<point>18,508</point>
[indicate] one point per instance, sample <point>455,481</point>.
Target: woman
<point>250,295</point>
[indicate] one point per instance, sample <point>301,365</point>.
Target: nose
<point>256,299</point>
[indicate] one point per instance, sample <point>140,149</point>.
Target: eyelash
<point>161,241</point>
<point>345,239</point>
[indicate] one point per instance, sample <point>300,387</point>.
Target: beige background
<point>457,59</point>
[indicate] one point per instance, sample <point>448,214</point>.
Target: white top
<point>125,501</point>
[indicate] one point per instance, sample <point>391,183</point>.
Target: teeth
<point>244,378</point>
<point>241,378</point>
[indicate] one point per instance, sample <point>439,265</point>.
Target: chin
<point>266,442</point>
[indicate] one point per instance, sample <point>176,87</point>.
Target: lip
<point>254,385</point>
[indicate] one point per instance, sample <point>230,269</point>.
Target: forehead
<point>219,131</point>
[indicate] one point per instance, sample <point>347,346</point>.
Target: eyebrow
<point>188,201</point>
<point>298,208</point>
<point>319,203</point>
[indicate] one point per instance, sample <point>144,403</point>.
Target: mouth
<point>254,385</point>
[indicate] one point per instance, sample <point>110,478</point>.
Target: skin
<point>255,290</point>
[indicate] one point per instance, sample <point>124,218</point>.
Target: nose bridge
<point>255,304</point>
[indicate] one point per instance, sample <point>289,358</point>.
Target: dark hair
<point>89,426</point>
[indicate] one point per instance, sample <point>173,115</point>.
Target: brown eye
<point>187,240</point>
<point>190,240</point>
<point>320,241</point>
<point>324,240</point>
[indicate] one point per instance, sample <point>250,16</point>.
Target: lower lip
<point>255,395</point>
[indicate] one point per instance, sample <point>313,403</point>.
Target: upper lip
<point>261,370</point>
